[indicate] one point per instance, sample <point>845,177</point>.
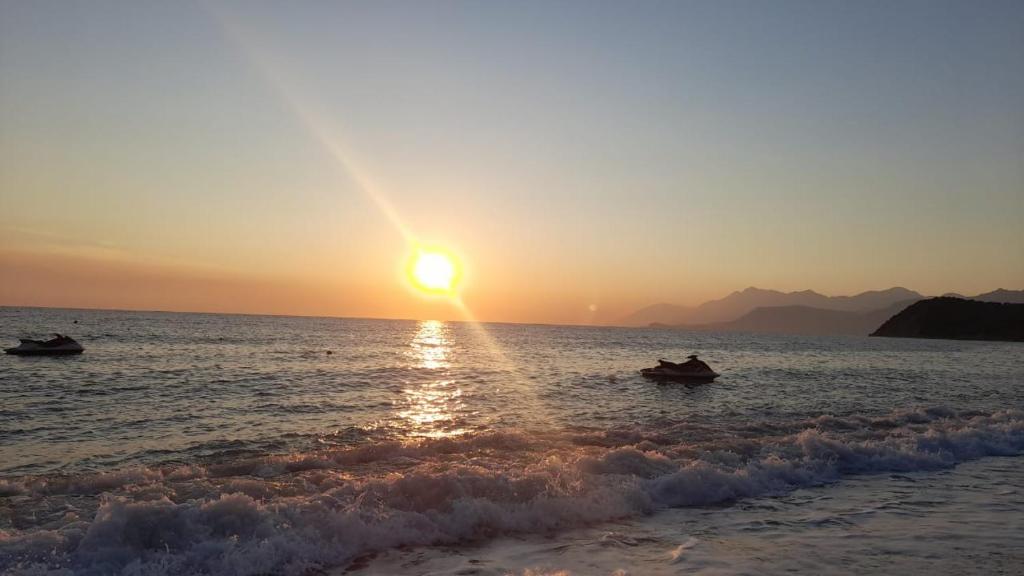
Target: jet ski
<point>693,370</point>
<point>59,345</point>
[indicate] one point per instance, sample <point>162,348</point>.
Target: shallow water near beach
<point>965,520</point>
<point>219,444</point>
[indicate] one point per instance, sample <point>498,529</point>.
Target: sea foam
<point>300,513</point>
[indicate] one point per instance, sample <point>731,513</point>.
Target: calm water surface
<point>194,443</point>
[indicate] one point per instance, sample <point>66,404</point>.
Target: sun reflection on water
<point>431,403</point>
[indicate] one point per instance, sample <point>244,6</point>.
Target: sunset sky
<point>579,159</point>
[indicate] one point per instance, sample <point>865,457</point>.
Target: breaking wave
<point>303,513</point>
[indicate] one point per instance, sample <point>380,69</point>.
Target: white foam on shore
<point>301,513</point>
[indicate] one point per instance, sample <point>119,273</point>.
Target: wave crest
<point>298,513</point>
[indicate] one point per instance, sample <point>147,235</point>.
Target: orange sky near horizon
<point>105,282</point>
<point>55,280</point>
<point>241,157</point>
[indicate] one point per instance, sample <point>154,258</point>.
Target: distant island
<point>957,319</point>
<point>804,312</point>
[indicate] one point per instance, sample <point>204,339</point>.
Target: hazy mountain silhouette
<point>739,303</point>
<point>1001,295</point>
<point>657,314</point>
<point>807,320</point>
<point>875,299</point>
<point>957,319</point>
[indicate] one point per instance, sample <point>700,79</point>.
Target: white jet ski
<point>57,346</point>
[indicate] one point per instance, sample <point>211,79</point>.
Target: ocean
<point>259,445</point>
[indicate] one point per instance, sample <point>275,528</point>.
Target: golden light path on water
<point>431,409</point>
<point>270,69</point>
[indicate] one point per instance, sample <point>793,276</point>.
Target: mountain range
<point>803,312</point>
<point>739,303</point>
<point>807,320</point>
<point>1000,295</point>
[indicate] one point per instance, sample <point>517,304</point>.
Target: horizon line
<point>273,315</point>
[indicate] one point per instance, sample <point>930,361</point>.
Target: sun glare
<point>434,272</point>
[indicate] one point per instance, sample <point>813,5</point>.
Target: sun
<point>433,271</point>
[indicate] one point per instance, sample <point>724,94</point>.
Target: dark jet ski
<point>57,346</point>
<point>693,370</point>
